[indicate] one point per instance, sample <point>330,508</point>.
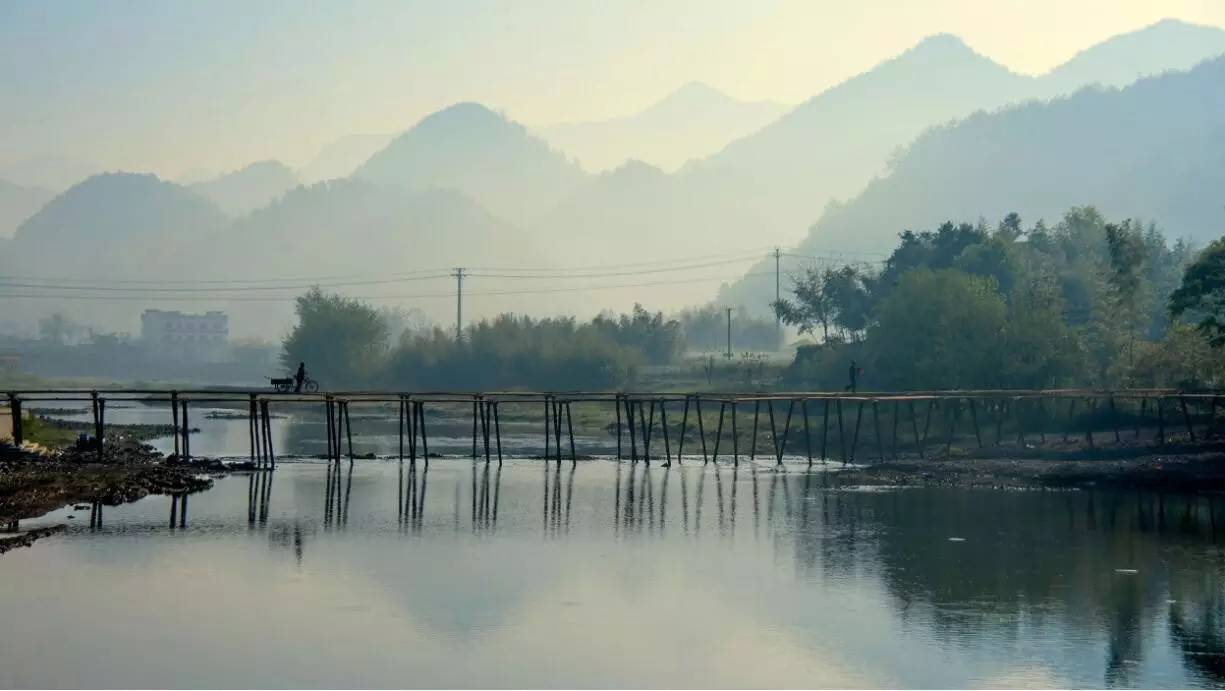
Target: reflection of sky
<point>813,589</point>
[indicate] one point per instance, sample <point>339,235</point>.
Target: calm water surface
<point>606,574</point>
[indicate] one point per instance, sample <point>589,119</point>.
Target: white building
<point>173,334</point>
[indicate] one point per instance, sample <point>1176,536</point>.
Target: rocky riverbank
<point>35,480</point>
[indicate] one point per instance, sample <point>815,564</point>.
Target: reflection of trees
<point>1197,621</point>
<point>1045,559</point>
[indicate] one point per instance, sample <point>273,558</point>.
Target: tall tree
<point>341,340</point>
<point>1202,293</point>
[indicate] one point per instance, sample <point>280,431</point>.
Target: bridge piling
<point>714,458</point>
<point>663,423</point>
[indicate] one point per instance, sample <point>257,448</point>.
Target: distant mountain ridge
<point>692,122</point>
<point>470,148</point>
<point>340,158</point>
<point>1150,151</point>
<point>252,187</point>
<point>937,132</point>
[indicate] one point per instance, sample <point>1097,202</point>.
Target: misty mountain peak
<point>112,207</point>
<point>942,44</point>
<point>466,116</point>
<point>249,188</point>
<point>470,148</point>
<point>1167,45</point>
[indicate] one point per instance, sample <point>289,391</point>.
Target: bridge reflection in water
<point>1120,577</point>
<point>956,560</point>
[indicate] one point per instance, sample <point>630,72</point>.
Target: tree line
<point>1085,302</point>
<point>346,342</point>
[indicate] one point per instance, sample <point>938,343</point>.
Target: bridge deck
<point>643,417</point>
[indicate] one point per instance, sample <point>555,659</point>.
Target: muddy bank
<point>35,482</point>
<point>1187,471</point>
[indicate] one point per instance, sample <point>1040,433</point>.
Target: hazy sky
<point>175,86</point>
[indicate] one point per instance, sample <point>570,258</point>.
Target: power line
<point>528,291</point>
<point>243,285</point>
<point>639,272</point>
<point>161,289</point>
<point>202,281</point>
<point>587,271</point>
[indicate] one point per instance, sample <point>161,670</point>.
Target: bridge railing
<point>641,419</point>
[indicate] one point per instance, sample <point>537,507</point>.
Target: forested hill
<point>1152,150</point>
<point>470,148</point>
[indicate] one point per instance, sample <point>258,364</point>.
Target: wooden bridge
<point>822,425</point>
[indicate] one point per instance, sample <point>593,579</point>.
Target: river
<point>598,573</point>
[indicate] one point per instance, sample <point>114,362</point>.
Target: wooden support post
<point>1114,419</point>
<point>858,424</point>
<point>663,423</point>
<point>629,419</point>
<point>807,431</point>
<point>735,437</point>
<point>411,428</point>
<point>1091,405</point>
<point>773,430</point>
<point>1143,414</point>
<point>617,408</point>
<point>951,415</point>
<point>841,431</point>
<point>914,426</point>
<point>1158,400</point>
<point>782,445</point>
<point>186,432</point>
<point>646,430</point>
<point>252,415</point>
<point>825,431</point>
<point>753,440</point>
<point>485,414</point>
<point>548,426</point>
<point>974,419</point>
<point>557,428</point>
<point>475,412</point>
<point>718,432</point>
<point>680,444</point>
<point>400,429</point>
<point>897,408</point>
<point>348,431</point>
<point>425,442</point>
<point>1186,417</point>
<point>570,431</point>
<point>880,444</point>
<point>174,416</point>
<point>268,437</point>
<point>1001,409</point>
<point>15,414</point>
<point>497,431</point>
<point>927,424</point>
<point>98,431</point>
<point>697,404</point>
<point>1042,417</point>
<point>1067,430</point>
<point>1021,421</point>
<point>327,414</point>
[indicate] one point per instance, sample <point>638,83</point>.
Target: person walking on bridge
<point>299,377</point>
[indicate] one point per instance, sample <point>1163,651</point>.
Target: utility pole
<point>778,296</point>
<point>729,333</point>
<point>459,303</point>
